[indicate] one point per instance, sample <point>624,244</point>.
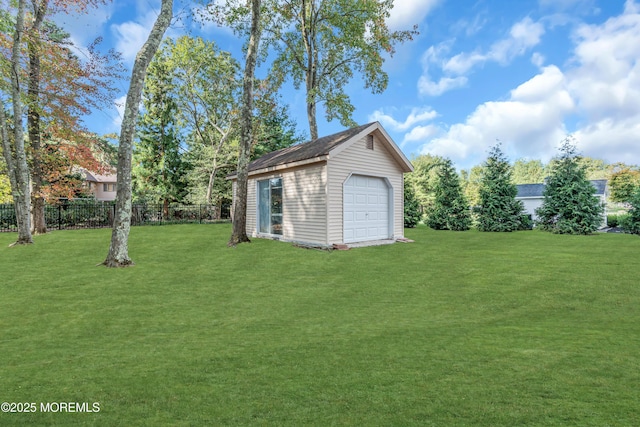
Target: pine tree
<point>411,208</point>
<point>498,208</point>
<point>159,171</point>
<point>569,205</point>
<point>450,210</point>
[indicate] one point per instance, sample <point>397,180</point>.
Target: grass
<point>464,329</point>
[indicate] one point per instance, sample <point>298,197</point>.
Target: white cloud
<point>417,115</point>
<point>523,35</point>
<point>406,14</point>
<point>421,133</point>
<point>605,82</point>
<point>426,86</point>
<point>595,96</point>
<point>131,35</point>
<point>529,123</point>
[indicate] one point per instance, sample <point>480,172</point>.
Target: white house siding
<point>533,203</point>
<point>358,159</point>
<point>304,213</point>
<point>530,206</point>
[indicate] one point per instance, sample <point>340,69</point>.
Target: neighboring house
<point>532,195</point>
<point>339,189</point>
<point>103,187</point>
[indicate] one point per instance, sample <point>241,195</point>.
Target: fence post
<point>60,216</point>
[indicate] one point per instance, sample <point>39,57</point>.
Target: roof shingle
<point>308,150</point>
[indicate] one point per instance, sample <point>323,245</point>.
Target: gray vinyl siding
<point>304,213</point>
<point>357,159</point>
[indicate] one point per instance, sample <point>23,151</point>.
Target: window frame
<point>274,190</point>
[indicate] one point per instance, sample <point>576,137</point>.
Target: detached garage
<point>339,189</point>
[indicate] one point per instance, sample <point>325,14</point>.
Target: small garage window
<point>270,206</point>
<point>369,142</point>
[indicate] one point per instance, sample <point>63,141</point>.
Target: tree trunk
<point>311,116</point>
<point>239,233</point>
<point>309,14</point>
<point>118,255</point>
<point>33,120</point>
<point>20,190</point>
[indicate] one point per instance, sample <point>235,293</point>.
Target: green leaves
<point>450,210</point>
<point>498,208</point>
<point>324,43</point>
<point>569,205</point>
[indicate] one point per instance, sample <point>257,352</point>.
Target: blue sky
<point>526,72</point>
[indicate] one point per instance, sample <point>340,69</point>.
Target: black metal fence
<point>78,215</point>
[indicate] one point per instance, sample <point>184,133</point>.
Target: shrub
<point>631,222</point>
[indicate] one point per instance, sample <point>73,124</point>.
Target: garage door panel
<point>366,209</point>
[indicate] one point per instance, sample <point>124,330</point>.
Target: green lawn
<point>461,329</point>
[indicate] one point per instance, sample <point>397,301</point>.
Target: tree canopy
<point>324,43</point>
<point>498,209</point>
<point>569,205</point>
<point>450,209</point>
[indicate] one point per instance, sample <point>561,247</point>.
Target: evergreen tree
<point>158,173</point>
<point>631,221</point>
<point>411,208</point>
<point>569,205</point>
<point>498,208</point>
<point>450,210</point>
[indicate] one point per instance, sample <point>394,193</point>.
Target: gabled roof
<point>94,177</point>
<point>530,190</point>
<point>537,190</point>
<point>321,149</point>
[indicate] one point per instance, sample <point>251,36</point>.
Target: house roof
<point>321,149</point>
<point>537,190</point>
<point>94,177</point>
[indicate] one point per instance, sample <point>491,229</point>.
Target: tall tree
<point>118,255</point>
<point>159,171</point>
<point>424,179</point>
<point>451,209</point>
<point>33,113</point>
<point>15,154</point>
<point>412,213</point>
<point>569,205</point>
<point>623,181</point>
<point>274,129</point>
<point>528,171</point>
<point>60,89</point>
<point>471,180</point>
<point>208,92</point>
<point>321,43</point>
<point>498,209</point>
<point>631,222</point>
<point>239,233</point>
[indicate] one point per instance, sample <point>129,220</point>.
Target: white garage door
<point>366,209</point>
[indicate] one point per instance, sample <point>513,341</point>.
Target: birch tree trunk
<point>17,166</point>
<point>239,233</point>
<point>118,255</point>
